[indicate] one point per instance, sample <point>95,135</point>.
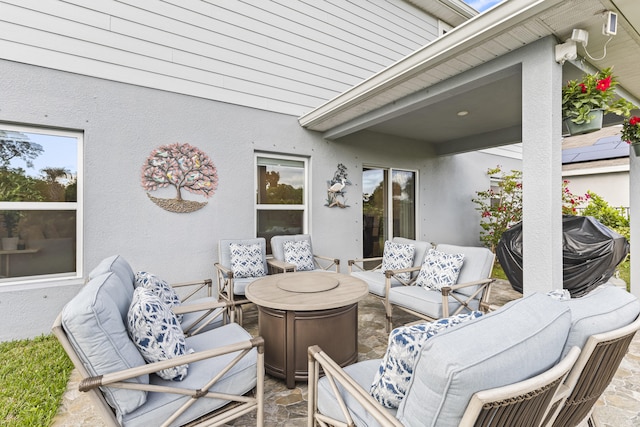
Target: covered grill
<point>590,254</point>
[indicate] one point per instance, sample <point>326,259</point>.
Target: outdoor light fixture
<point>610,27</point>
<point>566,51</point>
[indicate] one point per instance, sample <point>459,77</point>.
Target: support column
<point>542,168</point>
<point>634,204</point>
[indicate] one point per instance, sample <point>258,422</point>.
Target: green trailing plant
<point>593,92</point>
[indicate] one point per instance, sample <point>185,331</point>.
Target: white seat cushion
<point>239,380</point>
<point>425,301</point>
<point>375,280</point>
<point>602,310</point>
<point>522,339</point>
<point>94,321</point>
<point>362,373</point>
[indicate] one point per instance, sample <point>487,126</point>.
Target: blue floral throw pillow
<point>246,260</point>
<point>155,330</point>
<point>439,269</point>
<point>159,287</point>
<point>299,254</point>
<point>396,256</point>
<point>405,343</point>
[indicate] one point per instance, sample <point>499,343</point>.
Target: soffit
<point>503,29</point>
<point>453,12</point>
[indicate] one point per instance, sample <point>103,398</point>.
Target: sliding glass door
<point>388,207</point>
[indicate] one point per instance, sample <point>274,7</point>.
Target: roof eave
<point>477,30</point>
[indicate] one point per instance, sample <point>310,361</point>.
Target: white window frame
<point>306,196</point>
<point>50,206</point>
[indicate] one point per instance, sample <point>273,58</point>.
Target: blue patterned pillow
<point>298,253</point>
<point>439,269</point>
<point>155,331</point>
<point>396,256</point>
<point>405,343</point>
<point>246,260</point>
<point>159,287</point>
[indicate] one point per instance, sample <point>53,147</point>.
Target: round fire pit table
<point>297,310</point>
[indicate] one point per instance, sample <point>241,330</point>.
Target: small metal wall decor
<point>182,166</point>
<point>336,188</point>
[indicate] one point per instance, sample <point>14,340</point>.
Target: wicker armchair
<point>592,373</point>
<point>522,404</point>
<point>457,379</point>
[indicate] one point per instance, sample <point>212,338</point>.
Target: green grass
<point>33,377</point>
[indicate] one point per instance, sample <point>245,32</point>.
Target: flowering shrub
<point>593,91</point>
<point>609,216</point>
<point>570,201</point>
<point>500,207</point>
<point>631,130</point>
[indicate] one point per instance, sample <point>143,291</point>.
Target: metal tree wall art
<point>183,167</point>
<point>335,192</point>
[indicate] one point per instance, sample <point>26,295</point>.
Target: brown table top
<point>306,291</point>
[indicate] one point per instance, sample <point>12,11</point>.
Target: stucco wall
<point>613,187</point>
<point>122,123</point>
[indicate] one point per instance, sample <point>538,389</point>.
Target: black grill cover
<point>590,254</point>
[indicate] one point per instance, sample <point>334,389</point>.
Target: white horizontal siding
<point>280,55</point>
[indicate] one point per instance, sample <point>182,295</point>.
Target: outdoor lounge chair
<point>370,270</point>
<point>224,380</point>
<point>198,313</point>
<point>522,372</point>
<point>471,291</point>
<point>249,265</point>
<point>298,257</point>
<point>592,374</point>
<point>604,308</point>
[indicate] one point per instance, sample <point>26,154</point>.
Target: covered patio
<point>494,83</point>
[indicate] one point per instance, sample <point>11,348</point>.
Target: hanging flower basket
<point>586,127</point>
<point>631,133</point>
<point>584,102</point>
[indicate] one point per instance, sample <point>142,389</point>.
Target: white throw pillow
<point>155,330</point>
<point>159,287</point>
<point>439,269</point>
<point>246,260</point>
<point>405,343</point>
<point>396,256</point>
<point>299,254</point>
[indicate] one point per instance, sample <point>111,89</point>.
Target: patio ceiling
<point>404,100</point>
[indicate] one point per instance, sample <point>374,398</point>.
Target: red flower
<point>634,120</point>
<point>486,214</point>
<point>603,84</point>
<point>584,87</point>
